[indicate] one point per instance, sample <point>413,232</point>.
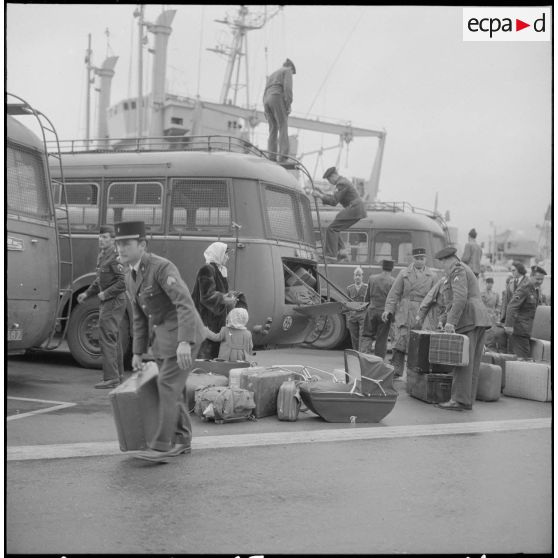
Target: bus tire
<point>83,335</point>
<point>334,333</point>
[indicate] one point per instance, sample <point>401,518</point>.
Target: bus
<point>35,270</point>
<point>210,189</point>
<point>389,231</point>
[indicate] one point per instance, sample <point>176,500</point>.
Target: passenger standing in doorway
<point>277,100</point>
<point>472,253</point>
<point>374,327</point>
<point>355,320</point>
<point>110,288</point>
<point>353,211</point>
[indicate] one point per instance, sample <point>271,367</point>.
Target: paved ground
<point>423,480</point>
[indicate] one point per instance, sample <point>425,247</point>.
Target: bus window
<point>306,219</point>
<point>356,244</point>
<point>136,201</point>
<point>282,217</point>
<point>200,206</point>
<point>83,204</point>
<point>27,194</point>
<point>393,245</point>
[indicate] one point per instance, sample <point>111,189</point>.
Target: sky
<point>469,121</point>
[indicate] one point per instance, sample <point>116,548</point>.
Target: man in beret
<point>521,312</point>
<point>403,302</point>
<point>164,313</point>
<point>472,253</point>
<point>353,211</point>
<point>465,313</point>
<point>110,289</point>
<point>374,327</point>
<point>277,100</point>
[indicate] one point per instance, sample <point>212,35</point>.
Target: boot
<point>398,363</point>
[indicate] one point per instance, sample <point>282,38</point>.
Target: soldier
<point>519,278</point>
<point>278,96</point>
<point>491,301</point>
<point>433,305</point>
<point>376,294</point>
<point>355,320</point>
<point>465,313</point>
<point>521,312</point>
<point>403,301</point>
<point>352,212</point>
<point>472,253</point>
<point>164,312</point>
<point>110,288</point>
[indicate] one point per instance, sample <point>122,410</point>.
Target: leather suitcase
<point>135,408</point>
<point>431,388</point>
<point>265,384</point>
<point>529,380</point>
<point>216,366</point>
<point>490,382</point>
<point>419,347</point>
<point>541,350</point>
<point>197,381</point>
<point>541,323</point>
<point>288,401</point>
<point>500,359</point>
<point>449,348</point>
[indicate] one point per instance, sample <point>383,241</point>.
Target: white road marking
<point>57,406</point>
<point>90,449</point>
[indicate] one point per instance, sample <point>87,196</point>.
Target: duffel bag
<point>288,401</point>
<point>233,404</point>
<point>205,397</point>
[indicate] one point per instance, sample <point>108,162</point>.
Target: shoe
<point>179,449</point>
<point>452,405</point>
<point>154,456</point>
<point>107,384</point>
<point>330,259</point>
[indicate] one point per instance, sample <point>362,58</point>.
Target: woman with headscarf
<point>212,297</point>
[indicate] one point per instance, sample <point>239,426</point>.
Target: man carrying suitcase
<point>164,313</point>
<point>465,313</point>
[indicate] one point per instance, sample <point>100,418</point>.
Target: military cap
<point>329,172</point>
<point>473,233</point>
<point>387,265</point>
<point>538,269</point>
<point>106,229</point>
<point>289,62</point>
<point>419,252</point>
<point>489,280</point>
<point>446,253</point>
<point>130,230</point>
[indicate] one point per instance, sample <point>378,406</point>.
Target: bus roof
<point>218,164</point>
<point>21,134</point>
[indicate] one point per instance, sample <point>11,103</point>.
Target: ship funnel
<point>161,30</point>
<point>105,73</point>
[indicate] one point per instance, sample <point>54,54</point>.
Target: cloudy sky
<point>470,121</point>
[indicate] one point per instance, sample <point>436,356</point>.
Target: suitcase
<point>541,350</point>
<point>529,380</point>
<point>197,381</point>
<point>431,388</point>
<point>224,404</point>
<point>265,384</point>
<point>135,408</point>
<point>288,401</point>
<point>419,346</point>
<point>217,366</point>
<point>449,348</point>
<point>541,324</point>
<point>490,382</point>
<point>500,359</point>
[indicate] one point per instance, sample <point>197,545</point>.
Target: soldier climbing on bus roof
<point>352,212</point>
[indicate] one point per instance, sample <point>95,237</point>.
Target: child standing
<point>236,340</point>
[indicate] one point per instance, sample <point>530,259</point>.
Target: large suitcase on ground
<point>449,348</point>
<point>541,323</point>
<point>419,346</point>
<point>541,350</point>
<point>135,408</point>
<point>500,359</point>
<point>529,380</point>
<point>217,366</point>
<point>197,381</point>
<point>265,384</point>
<point>490,382</point>
<point>288,401</point>
<point>430,387</point>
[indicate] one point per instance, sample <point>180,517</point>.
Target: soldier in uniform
<point>433,306</point>
<point>519,278</point>
<point>403,302</point>
<point>491,301</point>
<point>164,313</point>
<point>521,312</point>
<point>355,320</point>
<point>472,253</point>
<point>466,314</point>
<point>353,211</point>
<point>110,288</point>
<point>376,294</point>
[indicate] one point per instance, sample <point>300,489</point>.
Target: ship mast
<point>90,80</point>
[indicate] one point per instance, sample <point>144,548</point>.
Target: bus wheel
<point>83,334</point>
<point>329,335</point>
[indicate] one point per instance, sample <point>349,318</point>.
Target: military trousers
<point>466,378</point>
<point>333,241</point>
<point>277,119</point>
<point>355,325</point>
<point>375,328</point>
<point>174,425</point>
<point>520,345</point>
<point>111,313</point>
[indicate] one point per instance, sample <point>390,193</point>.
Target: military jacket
<point>346,194</point>
<point>378,289</point>
<point>521,309</point>
<point>110,276</point>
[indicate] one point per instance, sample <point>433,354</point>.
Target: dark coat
<point>521,309</point>
<point>346,194</point>
<point>110,276</point>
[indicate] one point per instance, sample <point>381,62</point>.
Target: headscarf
<point>215,253</point>
<point>237,318</point>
